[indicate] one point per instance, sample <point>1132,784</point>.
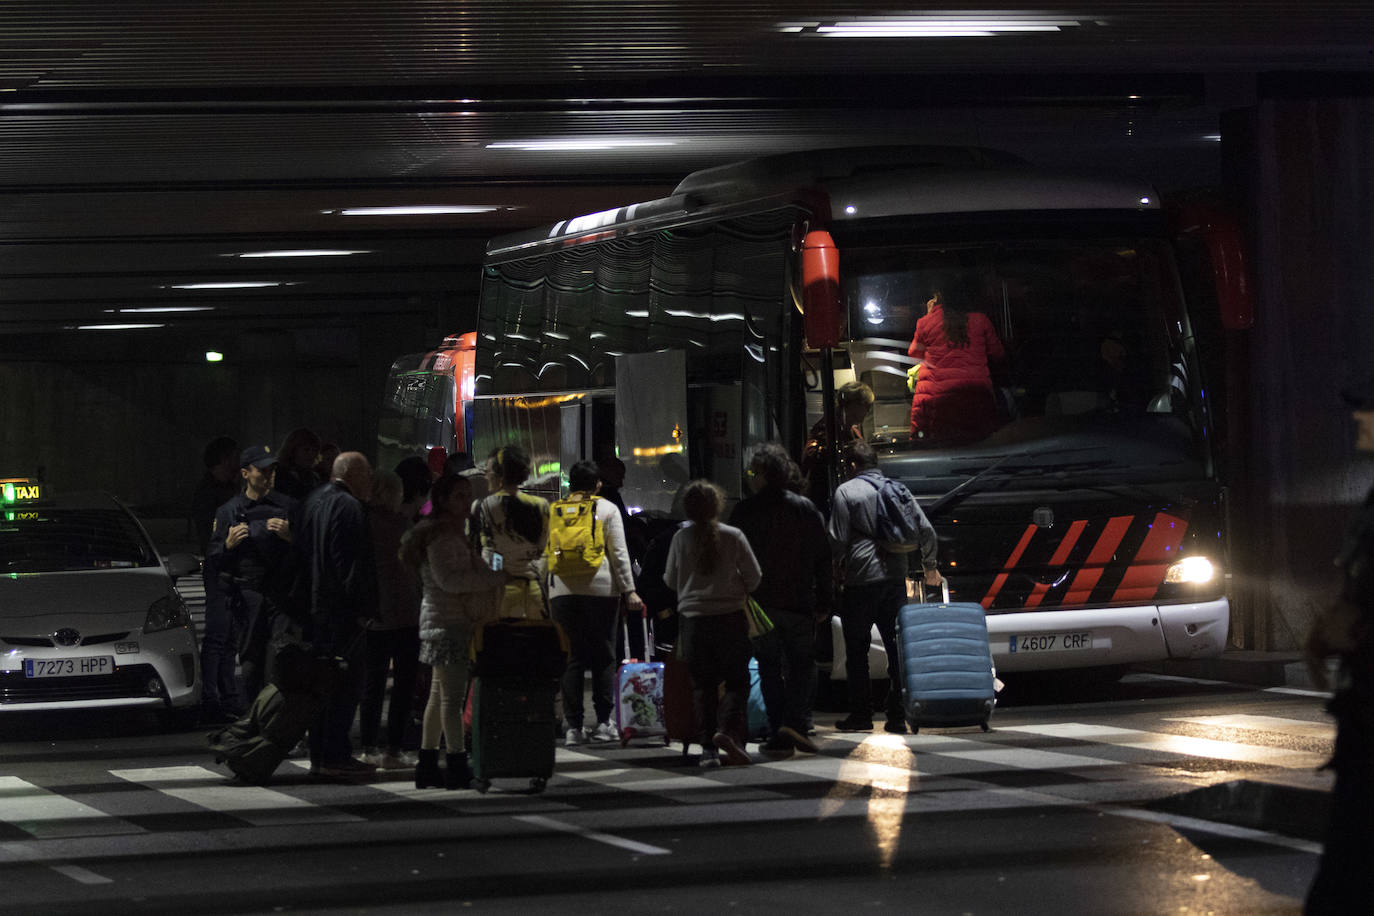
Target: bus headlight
<point>1191,571</point>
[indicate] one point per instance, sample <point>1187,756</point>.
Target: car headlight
<point>1191,571</point>
<point>165,614</point>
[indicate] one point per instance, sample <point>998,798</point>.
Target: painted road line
<point>22,852</point>
<point>81,875</point>
<point>1175,744</point>
<point>46,814</point>
<point>1297,728</point>
<point>207,789</point>
<point>1183,822</point>
<point>548,823</point>
<point>1300,692</point>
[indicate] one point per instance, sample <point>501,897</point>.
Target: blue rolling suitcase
<point>945,663</point>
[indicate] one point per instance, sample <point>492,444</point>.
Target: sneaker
<point>854,724</point>
<point>777,747</point>
<point>709,762</point>
<point>895,727</point>
<point>574,737</point>
<point>390,761</point>
<point>798,740</point>
<point>606,733</point>
<point>371,756</point>
<point>734,754</point>
<point>348,768</point>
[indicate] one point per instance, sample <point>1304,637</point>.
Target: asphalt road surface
<point>1155,795</point>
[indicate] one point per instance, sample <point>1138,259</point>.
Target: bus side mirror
<point>1226,249</point>
<point>821,303</point>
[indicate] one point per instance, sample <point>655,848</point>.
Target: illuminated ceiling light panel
<point>235,284</point>
<point>932,27</point>
<point>302,253</point>
<point>165,308</point>
<point>585,143</point>
<point>117,327</point>
<point>416,210</point>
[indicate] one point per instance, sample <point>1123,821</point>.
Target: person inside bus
<point>953,401</point>
<point>853,401</point>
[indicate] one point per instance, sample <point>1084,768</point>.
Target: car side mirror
<point>181,564</point>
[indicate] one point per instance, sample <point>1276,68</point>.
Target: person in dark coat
<point>1344,882</point>
<point>336,551</point>
<point>789,538</point>
<point>853,402</point>
<point>218,485</point>
<point>296,475</point>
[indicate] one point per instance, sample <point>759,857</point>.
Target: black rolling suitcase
<point>517,665</point>
<point>945,663</point>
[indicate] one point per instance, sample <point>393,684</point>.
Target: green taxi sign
<point>19,491</point>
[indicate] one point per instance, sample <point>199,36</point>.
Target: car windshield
<point>1076,332</point>
<point>43,540</point>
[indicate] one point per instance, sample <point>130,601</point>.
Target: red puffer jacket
<point>953,400</point>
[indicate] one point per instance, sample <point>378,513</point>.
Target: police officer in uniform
<point>250,563</point>
<point>1345,880</point>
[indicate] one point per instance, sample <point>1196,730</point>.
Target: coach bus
<point>1088,520</point>
<point>426,402</point>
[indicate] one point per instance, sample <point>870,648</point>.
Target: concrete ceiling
<point>144,145</point>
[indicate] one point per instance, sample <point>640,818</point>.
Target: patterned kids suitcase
<point>517,663</point>
<point>945,663</point>
<point>639,693</point>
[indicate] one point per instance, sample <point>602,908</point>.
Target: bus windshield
<point>1061,337</point>
<point>417,412</point>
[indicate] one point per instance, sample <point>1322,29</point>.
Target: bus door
<point>651,431</point>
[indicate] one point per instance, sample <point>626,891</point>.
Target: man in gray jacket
<point>874,584</point>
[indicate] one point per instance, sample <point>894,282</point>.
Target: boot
<point>427,774</point>
<point>457,776</point>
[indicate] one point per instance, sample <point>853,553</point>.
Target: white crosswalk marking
<point>682,788</point>
<point>1175,744</point>
<point>48,815</point>
<point>977,754</point>
<point>207,789</point>
<point>880,777</point>
<point>1297,728</point>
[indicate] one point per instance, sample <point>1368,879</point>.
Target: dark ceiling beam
<point>740,92</point>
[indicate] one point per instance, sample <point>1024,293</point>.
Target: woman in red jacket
<point>953,401</point>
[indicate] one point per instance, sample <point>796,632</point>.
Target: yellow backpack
<point>575,549</point>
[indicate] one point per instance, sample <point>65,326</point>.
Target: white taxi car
<point>89,616</point>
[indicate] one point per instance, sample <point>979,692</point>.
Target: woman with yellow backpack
<point>589,572</point>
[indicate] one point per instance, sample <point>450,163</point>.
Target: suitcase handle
<point>921,590</point>
<point>648,646</point>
